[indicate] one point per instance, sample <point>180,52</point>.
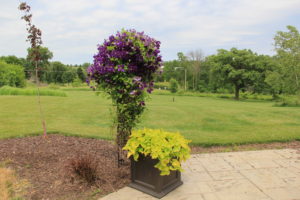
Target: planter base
<point>153,193</point>
<point>146,178</point>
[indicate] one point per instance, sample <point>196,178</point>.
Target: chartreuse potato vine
<point>169,148</point>
<point>124,67</point>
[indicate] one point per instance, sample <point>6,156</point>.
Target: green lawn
<point>204,120</point>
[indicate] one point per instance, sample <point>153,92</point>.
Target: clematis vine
<point>124,67</point>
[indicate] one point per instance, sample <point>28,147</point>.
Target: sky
<point>72,29</point>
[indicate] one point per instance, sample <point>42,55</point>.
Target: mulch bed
<point>44,163</point>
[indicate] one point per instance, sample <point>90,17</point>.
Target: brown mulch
<point>43,162</point>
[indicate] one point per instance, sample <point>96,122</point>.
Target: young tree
<point>35,39</point>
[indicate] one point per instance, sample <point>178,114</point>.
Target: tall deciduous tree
<point>287,46</point>
<point>236,67</point>
<point>195,58</point>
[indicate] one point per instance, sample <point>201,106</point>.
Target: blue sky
<point>73,28</point>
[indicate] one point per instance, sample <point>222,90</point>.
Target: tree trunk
<point>237,92</point>
<point>39,100</point>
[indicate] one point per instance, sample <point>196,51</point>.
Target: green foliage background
<point>12,75</point>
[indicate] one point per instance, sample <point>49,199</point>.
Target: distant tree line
<point>235,70</point>
<point>228,71</point>
<point>48,72</point>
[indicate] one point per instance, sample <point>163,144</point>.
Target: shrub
<point>11,75</point>
<point>76,82</point>
<point>169,148</point>
<point>124,67</point>
<point>181,92</point>
<point>53,86</point>
<point>222,90</point>
<point>289,101</point>
<point>173,85</point>
<point>84,167</point>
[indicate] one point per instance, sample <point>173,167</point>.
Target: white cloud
<point>71,27</point>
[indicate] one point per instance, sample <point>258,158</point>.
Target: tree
<point>287,46</point>
<point>265,64</point>
<point>11,75</point>
<point>204,83</point>
<point>35,38</point>
<point>173,85</point>
<point>170,72</point>
<point>81,75</point>
<point>18,61</point>
<point>57,69</point>
<point>43,62</point>
<point>85,66</point>
<point>13,60</point>
<point>69,76</point>
<point>183,65</point>
<point>236,67</point>
<point>195,57</point>
<point>274,80</point>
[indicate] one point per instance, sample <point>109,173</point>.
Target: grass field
<point>6,90</point>
<point>205,120</point>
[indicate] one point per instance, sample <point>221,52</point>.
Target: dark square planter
<point>146,178</point>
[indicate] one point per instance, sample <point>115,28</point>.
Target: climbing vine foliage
<point>124,67</point>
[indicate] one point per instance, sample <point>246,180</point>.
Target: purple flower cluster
<point>128,54</point>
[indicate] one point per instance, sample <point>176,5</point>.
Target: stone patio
<point>253,175</point>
